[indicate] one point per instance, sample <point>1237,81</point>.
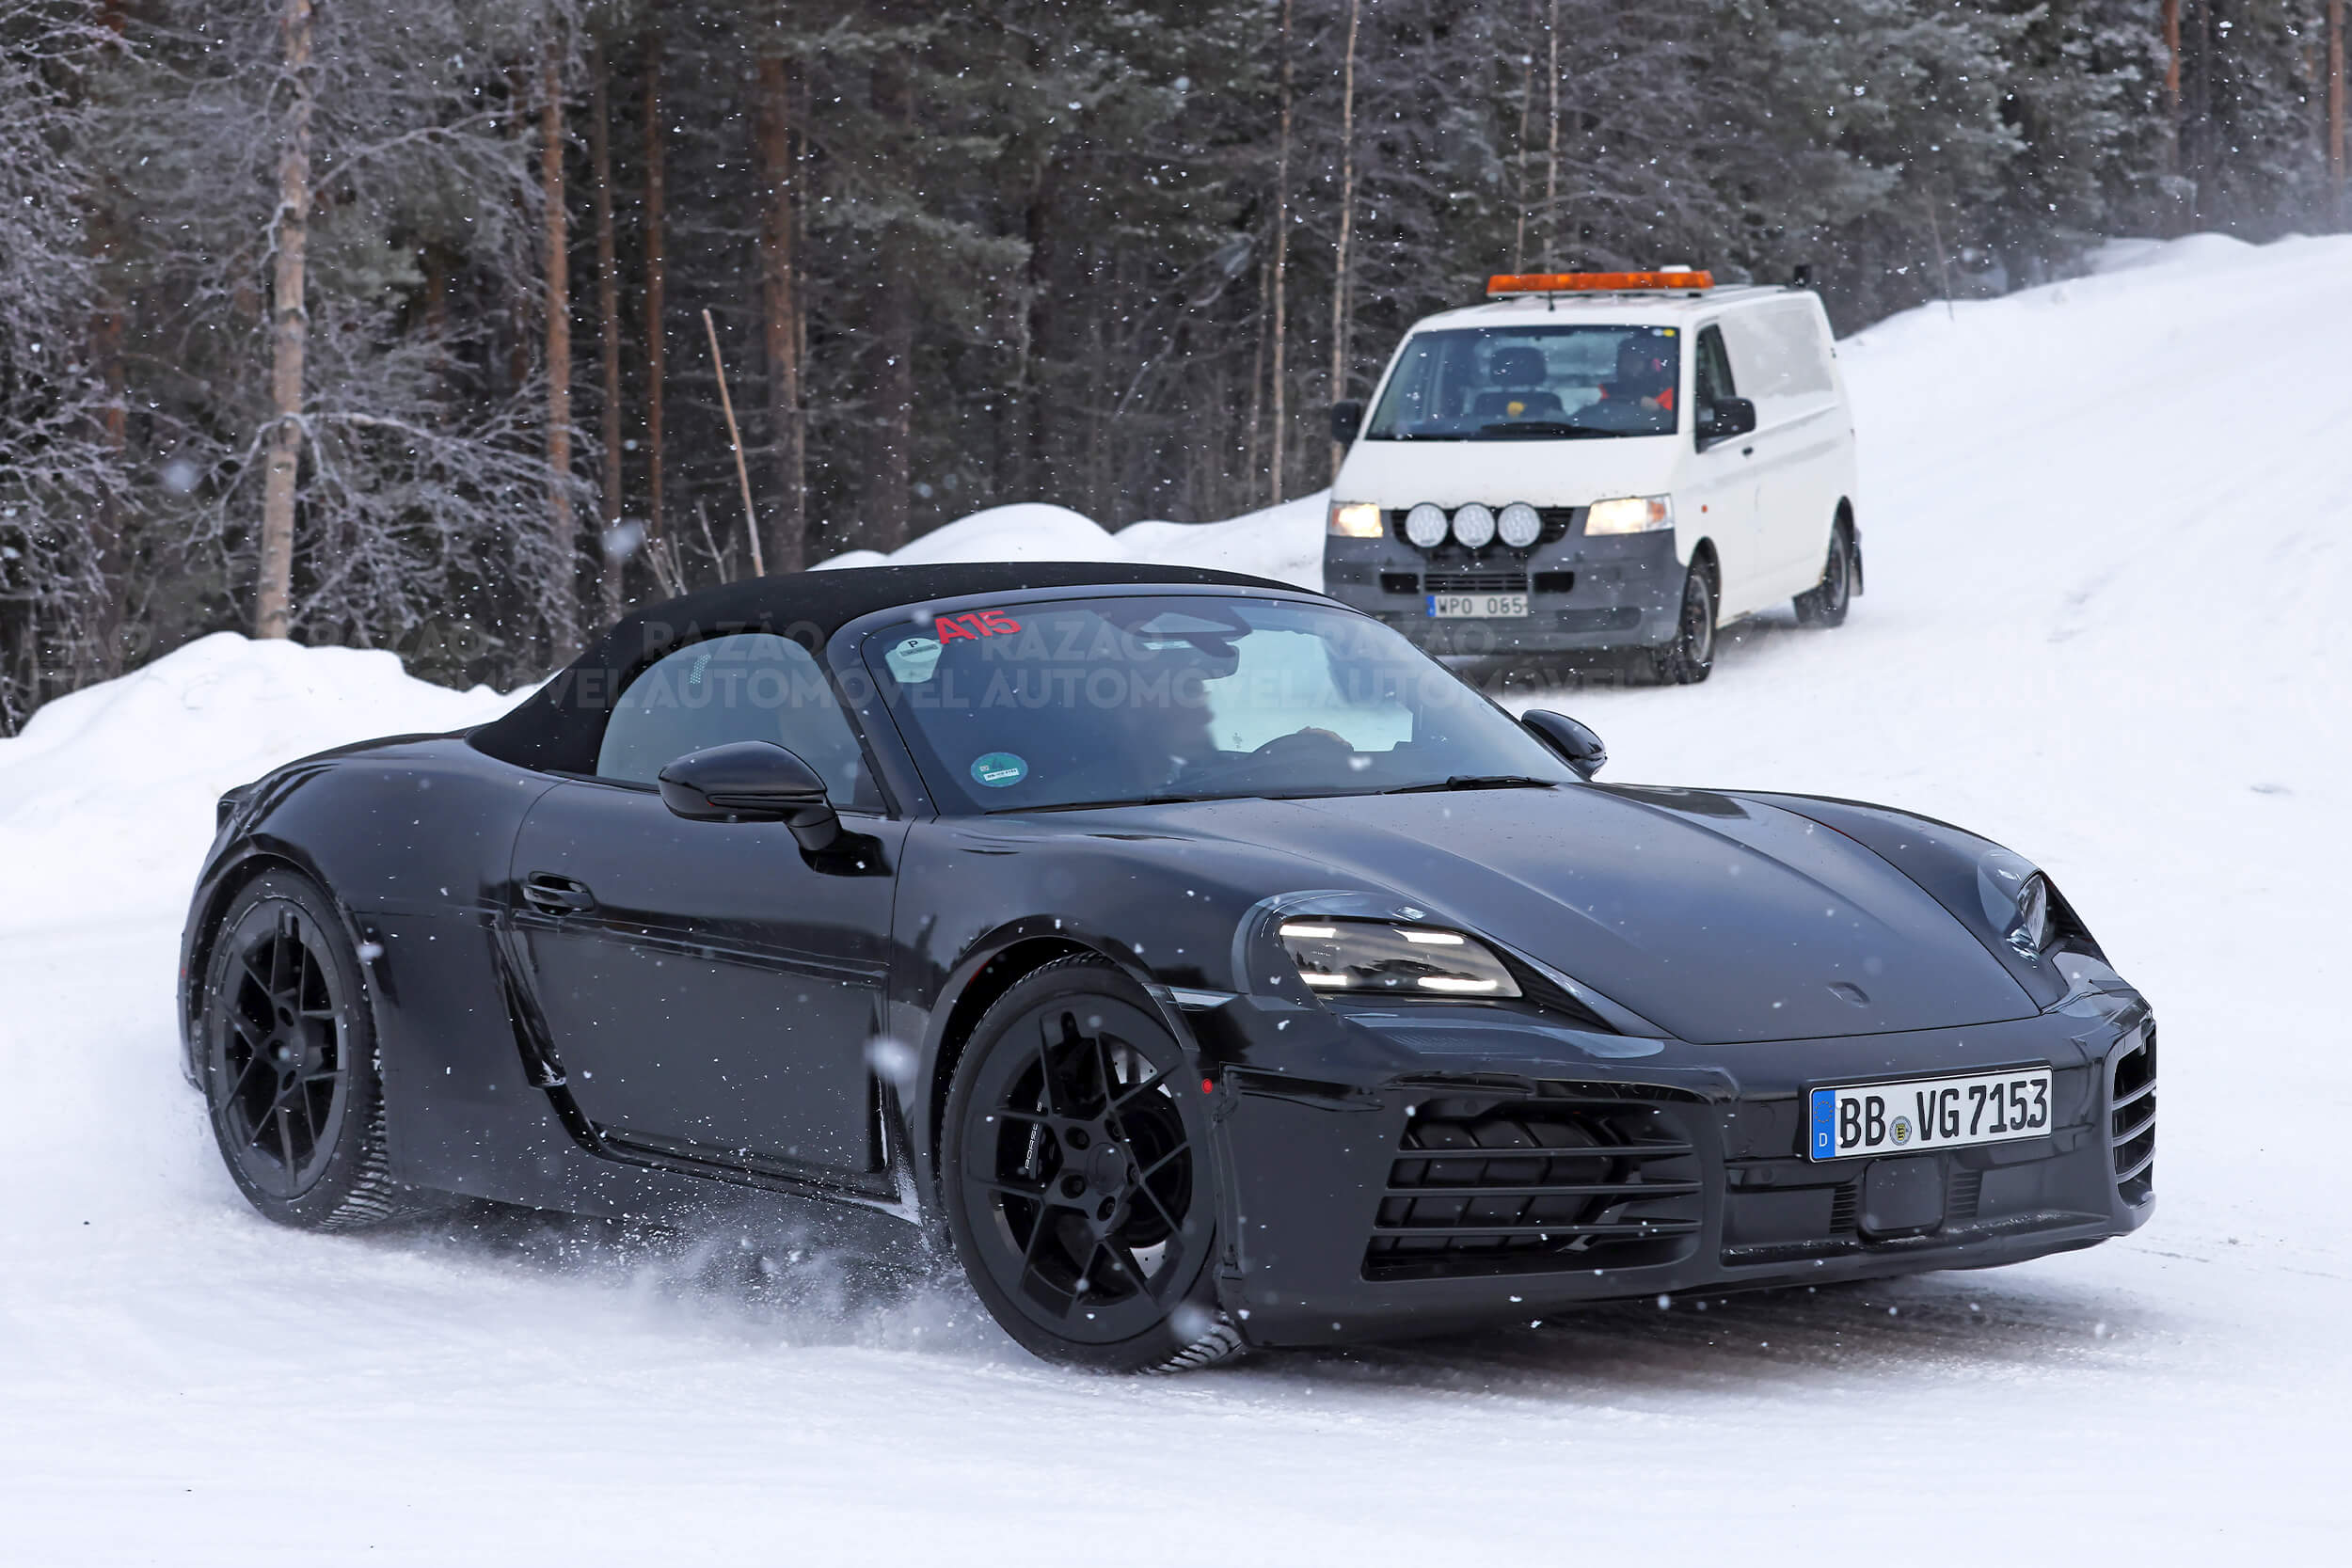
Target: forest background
<point>384,324</point>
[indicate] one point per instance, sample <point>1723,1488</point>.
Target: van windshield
<point>1531,382</point>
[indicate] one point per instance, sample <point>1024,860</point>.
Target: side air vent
<point>1481,1186</point>
<point>2132,1116</point>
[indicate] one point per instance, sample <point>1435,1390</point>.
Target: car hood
<point>1574,473</point>
<point>1719,918</point>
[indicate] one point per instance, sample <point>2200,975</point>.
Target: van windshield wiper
<point>1547,428</point>
<point>1476,780</point>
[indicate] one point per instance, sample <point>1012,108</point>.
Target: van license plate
<point>1477,606</point>
<point>1926,1114</point>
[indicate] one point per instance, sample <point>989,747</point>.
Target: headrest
<point>1518,367</point>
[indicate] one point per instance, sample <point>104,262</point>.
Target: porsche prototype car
<point>1194,961</point>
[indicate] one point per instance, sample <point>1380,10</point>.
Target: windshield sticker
<point>999,770</point>
<point>975,625</point>
<point>914,661</point>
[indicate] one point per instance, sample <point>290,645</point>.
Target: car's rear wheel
<point>1826,602</point>
<point>1076,1176</point>
<point>1691,656</point>
<point>290,1062</point>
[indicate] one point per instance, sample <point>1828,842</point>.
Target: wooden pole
<point>563,617</point>
<point>1281,255</point>
<point>656,283</point>
<point>608,327</point>
<point>2335,110</point>
<point>1347,224</point>
<point>1551,156</point>
<point>735,440</point>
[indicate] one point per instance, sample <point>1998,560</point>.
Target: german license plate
<point>1477,606</point>
<point>1928,1114</point>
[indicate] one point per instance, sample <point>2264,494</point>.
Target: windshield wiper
<point>1549,428</point>
<point>1105,805</point>
<point>1475,780</point>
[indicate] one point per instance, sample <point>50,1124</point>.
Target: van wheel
<point>1688,659</point>
<point>1825,604</point>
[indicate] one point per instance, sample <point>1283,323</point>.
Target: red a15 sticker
<point>975,624</point>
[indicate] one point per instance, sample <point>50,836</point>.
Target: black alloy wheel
<point>289,1058</point>
<point>1691,656</point>
<point>1826,603</point>
<point>1077,1180</point>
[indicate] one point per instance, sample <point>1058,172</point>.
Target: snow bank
<point>106,797</point>
<point>1283,543</point>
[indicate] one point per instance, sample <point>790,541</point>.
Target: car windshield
<point>1120,700</point>
<point>1531,382</point>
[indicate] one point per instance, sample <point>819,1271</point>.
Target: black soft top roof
<point>560,725</point>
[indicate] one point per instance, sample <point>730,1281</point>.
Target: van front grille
<point>1475,582</point>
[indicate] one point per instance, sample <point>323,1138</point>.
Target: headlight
<point>1356,520</point>
<point>1474,526</point>
<point>1520,525</point>
<point>2030,926</point>
<point>1630,514</point>
<point>1424,525</point>
<point>1373,955</point>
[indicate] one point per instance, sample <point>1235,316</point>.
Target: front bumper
<point>1393,1173</point>
<point>1583,594</point>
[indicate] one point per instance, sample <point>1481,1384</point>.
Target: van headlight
<point>1356,520</point>
<point>1382,958</point>
<point>1630,514</point>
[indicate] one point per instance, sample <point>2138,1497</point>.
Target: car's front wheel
<point>1076,1176</point>
<point>290,1065</point>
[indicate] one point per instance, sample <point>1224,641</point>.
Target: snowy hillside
<point>2106,526</point>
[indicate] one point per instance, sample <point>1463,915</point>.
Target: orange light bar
<point>1578,282</point>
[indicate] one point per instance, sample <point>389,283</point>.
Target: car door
<point>708,989</point>
<point>1717,497</point>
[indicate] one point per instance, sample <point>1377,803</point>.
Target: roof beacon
<point>1595,282</point>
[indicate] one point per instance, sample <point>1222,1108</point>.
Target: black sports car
<point>1199,961</point>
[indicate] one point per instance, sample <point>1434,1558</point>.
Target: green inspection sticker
<point>999,770</point>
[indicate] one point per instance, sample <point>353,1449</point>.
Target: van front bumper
<point>1583,595</point>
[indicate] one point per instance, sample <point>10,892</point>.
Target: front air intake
<point>2132,1116</point>
<point>1525,1186</point>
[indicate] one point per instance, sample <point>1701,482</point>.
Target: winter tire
<point>1691,656</point>
<point>290,1062</point>
<point>1825,604</point>
<point>1078,1179</point>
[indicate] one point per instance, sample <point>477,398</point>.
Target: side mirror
<point>1347,420</point>
<point>1573,743</point>
<point>752,781</point>
<point>1726,417</point>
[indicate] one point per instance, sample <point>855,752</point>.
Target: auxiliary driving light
<point>1474,526</point>
<point>1520,525</point>
<point>1425,524</point>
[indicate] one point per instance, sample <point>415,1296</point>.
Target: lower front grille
<point>2132,1117</point>
<point>1475,582</point>
<point>1483,1186</point>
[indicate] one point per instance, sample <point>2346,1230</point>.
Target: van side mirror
<point>752,781</point>
<point>1726,417</point>
<point>1347,420</point>
<point>1571,742</point>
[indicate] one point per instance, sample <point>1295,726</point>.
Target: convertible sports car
<point>1198,962</point>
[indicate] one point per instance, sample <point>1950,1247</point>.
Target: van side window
<point>1715,381</point>
<point>752,686</point>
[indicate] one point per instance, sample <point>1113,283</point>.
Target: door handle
<point>552,894</point>
<point>1747,451</point>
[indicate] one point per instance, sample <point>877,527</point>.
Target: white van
<point>1600,460</point>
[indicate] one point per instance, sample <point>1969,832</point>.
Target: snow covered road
<point>2105,524</point>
